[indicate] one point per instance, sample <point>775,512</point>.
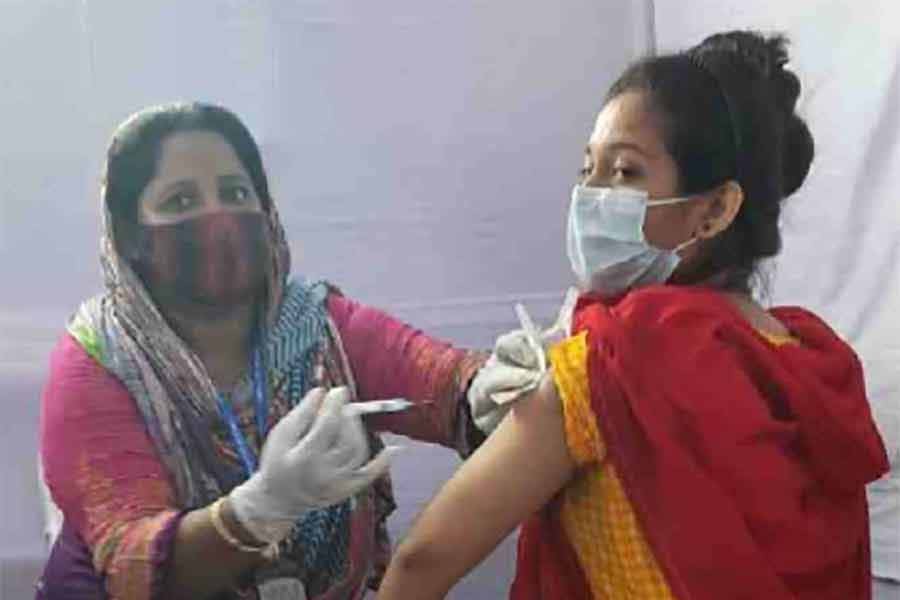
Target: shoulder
<point>303,301</point>
<point>77,386</point>
<point>572,399</point>
<point>669,331</point>
<point>805,324</point>
<point>71,363</point>
<point>668,304</point>
<point>300,291</point>
<point>569,370</point>
<point>659,314</point>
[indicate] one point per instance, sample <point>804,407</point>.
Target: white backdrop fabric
<point>841,253</point>
<point>421,154</point>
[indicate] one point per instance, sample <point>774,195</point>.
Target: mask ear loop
<point>685,244</point>
<point>668,201</point>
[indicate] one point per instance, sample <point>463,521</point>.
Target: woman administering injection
<point>186,432</point>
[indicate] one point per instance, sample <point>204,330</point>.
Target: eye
<point>585,171</point>
<point>626,172</point>
<point>237,194</point>
<point>179,202</point>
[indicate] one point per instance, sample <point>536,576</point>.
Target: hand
<point>514,369</point>
<point>314,457</point>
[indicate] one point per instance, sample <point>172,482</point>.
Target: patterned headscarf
<point>126,332</point>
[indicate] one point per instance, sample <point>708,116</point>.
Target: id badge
<point>283,588</point>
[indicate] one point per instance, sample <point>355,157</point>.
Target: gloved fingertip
<point>379,464</point>
<point>393,450</point>
<point>316,394</point>
<point>335,400</point>
<point>339,394</point>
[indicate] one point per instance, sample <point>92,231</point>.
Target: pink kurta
<point>104,473</point>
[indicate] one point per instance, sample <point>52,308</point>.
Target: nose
<point>595,179</point>
<point>213,202</point>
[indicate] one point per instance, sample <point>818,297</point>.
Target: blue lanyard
<point>258,382</point>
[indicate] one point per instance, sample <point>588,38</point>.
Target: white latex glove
<point>314,457</point>
<point>516,366</point>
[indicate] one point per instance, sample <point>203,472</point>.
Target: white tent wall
<point>841,253</point>
<point>421,155</point>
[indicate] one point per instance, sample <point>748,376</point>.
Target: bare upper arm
<point>515,473</point>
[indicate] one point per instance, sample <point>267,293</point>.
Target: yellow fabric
<point>776,339</point>
<point>596,515</point>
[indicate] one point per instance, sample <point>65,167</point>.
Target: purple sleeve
<point>69,572</point>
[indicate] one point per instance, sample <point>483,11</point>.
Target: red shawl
<point>744,462</point>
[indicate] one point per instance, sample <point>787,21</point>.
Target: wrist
<point>229,530</point>
<point>258,515</point>
<point>234,525</point>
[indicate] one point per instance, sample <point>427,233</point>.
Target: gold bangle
<point>215,514</point>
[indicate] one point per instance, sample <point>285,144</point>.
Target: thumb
<point>514,348</point>
<point>505,377</point>
<point>328,422</point>
<point>487,421</point>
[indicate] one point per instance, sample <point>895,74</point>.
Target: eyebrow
<point>621,145</point>
<point>232,178</point>
<point>191,184</point>
<point>181,183</point>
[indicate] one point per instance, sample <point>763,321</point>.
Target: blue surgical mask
<point>606,243</point>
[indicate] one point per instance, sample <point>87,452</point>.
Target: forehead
<point>190,154</point>
<point>628,119</point>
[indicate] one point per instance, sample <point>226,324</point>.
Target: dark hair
<point>134,153</point>
<point>727,108</point>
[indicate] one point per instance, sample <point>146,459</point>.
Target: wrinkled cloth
<point>118,496</point>
<point>743,460</point>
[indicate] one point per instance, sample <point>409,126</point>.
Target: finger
<point>489,421</point>
<point>506,378</point>
<point>507,396</point>
<point>341,458</point>
<point>376,467</point>
<point>336,398</point>
<point>351,482</point>
<point>514,348</point>
<point>328,422</point>
<point>361,478</point>
<point>351,448</point>
<point>294,425</point>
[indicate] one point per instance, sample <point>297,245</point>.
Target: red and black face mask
<point>214,260</point>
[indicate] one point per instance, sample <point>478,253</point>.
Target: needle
<point>531,334</point>
<point>377,406</point>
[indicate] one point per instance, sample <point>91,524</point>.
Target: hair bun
<point>764,56</point>
<point>767,57</point>
<point>797,154</point>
